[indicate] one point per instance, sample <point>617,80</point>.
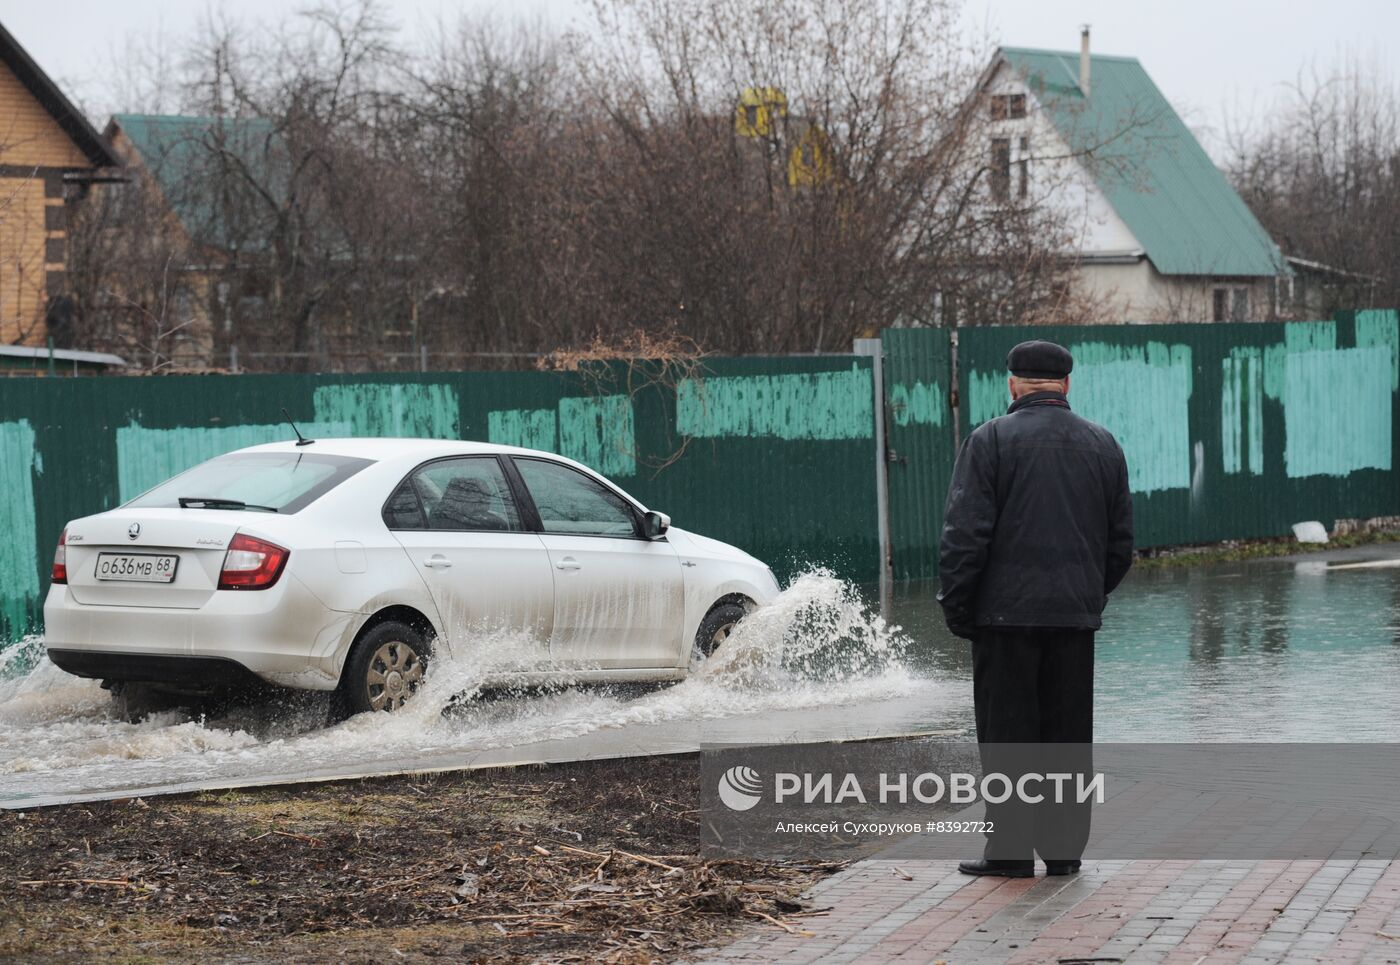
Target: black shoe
<point>1055,868</point>
<point>998,868</point>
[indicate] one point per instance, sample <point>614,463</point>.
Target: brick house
<point>49,155</point>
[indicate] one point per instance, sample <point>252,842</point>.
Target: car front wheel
<point>718,624</point>
<point>385,669</point>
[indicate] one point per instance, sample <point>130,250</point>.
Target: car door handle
<point>438,562</point>
<point>568,563</point>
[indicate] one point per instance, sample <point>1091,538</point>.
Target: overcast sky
<point>1214,59</point>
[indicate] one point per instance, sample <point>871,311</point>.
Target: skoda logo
<point>133,531</point>
<point>740,788</point>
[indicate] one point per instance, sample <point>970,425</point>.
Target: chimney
<point>1084,60</point>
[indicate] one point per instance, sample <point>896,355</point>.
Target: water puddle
<point>802,662</point>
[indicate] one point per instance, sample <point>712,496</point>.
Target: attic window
<point>1008,106</point>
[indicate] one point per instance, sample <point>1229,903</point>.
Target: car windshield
<point>282,482</point>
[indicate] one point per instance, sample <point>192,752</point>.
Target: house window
<point>1023,169</point>
<point>1008,106</point>
<point>1001,168</point>
<point>1239,305</point>
<point>122,205</point>
<point>1230,305</point>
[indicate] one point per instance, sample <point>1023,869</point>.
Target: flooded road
<point>815,663</point>
<point>1297,649</point>
<point>1265,651</point>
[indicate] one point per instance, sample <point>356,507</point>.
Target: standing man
<point>1038,532</point>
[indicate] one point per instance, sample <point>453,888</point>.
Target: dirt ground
<point>567,863</point>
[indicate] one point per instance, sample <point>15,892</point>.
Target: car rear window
<point>284,481</point>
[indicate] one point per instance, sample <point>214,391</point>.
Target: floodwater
<point>1287,650</point>
<point>792,670</point>
<point>1298,649</point>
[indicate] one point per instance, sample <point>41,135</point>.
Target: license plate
<point>137,567</point>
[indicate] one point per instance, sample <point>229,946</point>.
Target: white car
<point>345,564</point>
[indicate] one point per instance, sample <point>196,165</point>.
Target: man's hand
<point>959,622</point>
<point>964,630</point>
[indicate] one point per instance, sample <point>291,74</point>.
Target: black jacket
<point>1039,523</point>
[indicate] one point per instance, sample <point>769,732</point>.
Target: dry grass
<point>1258,549</point>
<point>565,863</point>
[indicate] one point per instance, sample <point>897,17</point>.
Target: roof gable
<point>182,154</point>
<point>1148,165</point>
<point>59,107</point>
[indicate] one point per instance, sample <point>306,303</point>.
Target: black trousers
<point>1035,686</point>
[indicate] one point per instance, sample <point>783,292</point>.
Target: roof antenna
<point>301,440</point>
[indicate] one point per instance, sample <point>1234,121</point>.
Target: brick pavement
<point>1176,912</point>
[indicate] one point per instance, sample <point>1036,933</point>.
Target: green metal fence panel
<point>1230,430</point>
<point>771,454</point>
<point>919,425</point>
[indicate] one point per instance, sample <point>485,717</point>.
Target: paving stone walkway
<point>1190,912</point>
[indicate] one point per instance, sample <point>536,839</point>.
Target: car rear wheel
<point>385,669</point>
<point>718,624</point>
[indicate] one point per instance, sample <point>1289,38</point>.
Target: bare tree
<point>490,122</point>
<point>773,176</point>
<point>1322,174</point>
<point>793,173</point>
<point>134,274</point>
<point>290,169</point>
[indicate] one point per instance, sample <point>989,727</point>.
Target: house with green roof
<point>185,155</point>
<point>190,238</point>
<point>1156,232</point>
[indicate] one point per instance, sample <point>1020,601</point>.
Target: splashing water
<point>817,632</point>
<point>816,646</point>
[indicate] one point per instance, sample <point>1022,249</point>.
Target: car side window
<point>468,494</point>
<point>570,502</point>
<point>403,511</point>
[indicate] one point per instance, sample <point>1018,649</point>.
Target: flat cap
<point>1039,360</point>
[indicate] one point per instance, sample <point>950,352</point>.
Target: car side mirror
<point>654,525</point>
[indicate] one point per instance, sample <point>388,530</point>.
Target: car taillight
<point>60,559</point>
<point>251,564</point>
